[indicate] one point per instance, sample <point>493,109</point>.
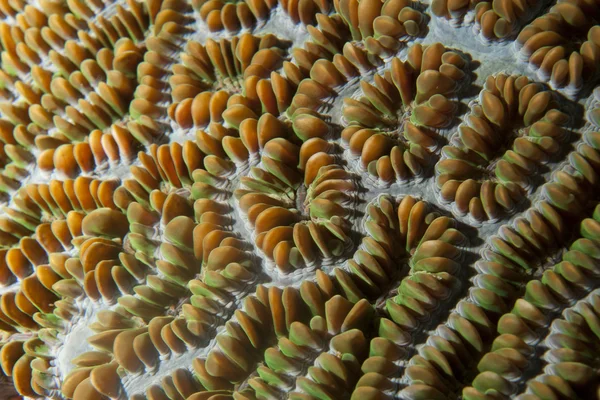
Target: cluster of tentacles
<point>563,44</point>
<point>494,20</point>
<point>510,131</point>
<point>393,127</point>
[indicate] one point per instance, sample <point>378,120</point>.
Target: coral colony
<point>299,199</point>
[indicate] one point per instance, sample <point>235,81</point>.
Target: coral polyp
<point>394,142</point>
<point>299,199</point>
<point>561,55</point>
<point>511,113</point>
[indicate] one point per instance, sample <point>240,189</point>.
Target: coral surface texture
<point>300,199</point>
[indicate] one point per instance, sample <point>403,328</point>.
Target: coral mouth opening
<point>301,200</point>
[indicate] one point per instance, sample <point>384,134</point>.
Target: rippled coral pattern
<point>299,199</point>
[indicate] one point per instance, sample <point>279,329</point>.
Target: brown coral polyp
<point>496,20</point>
<point>508,103</point>
<point>562,45</point>
<point>394,143</point>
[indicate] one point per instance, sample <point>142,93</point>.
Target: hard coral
<point>307,199</point>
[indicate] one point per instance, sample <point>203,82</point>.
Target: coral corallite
<point>299,199</point>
